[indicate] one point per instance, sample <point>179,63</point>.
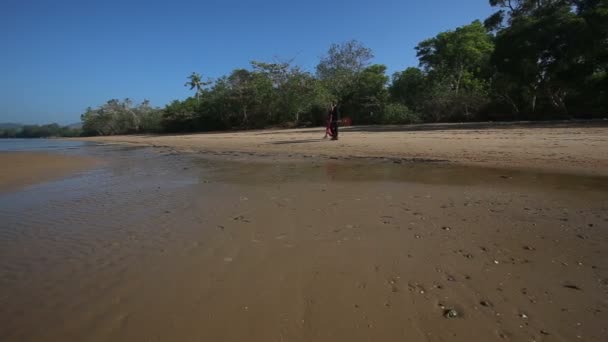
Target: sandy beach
<point>304,171</point>
<point>494,234</point>
<point>20,169</point>
<point>562,147</point>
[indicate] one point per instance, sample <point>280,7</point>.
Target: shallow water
<point>40,144</point>
<point>431,173</point>
<point>154,245</point>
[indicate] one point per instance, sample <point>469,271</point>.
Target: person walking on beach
<point>334,117</point>
<point>328,125</point>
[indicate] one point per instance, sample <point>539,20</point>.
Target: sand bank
<point>556,147</point>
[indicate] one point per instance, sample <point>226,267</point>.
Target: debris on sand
<point>451,313</point>
<point>485,303</point>
<point>241,218</point>
<point>573,287</point>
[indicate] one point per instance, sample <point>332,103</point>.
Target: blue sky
<point>58,57</point>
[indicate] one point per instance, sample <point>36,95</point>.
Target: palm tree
<point>196,81</point>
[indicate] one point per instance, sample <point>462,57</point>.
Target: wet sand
<point>21,169</point>
<point>559,146</point>
<point>165,246</point>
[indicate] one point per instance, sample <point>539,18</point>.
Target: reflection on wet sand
<point>173,247</point>
<point>431,173</point>
<point>20,169</point>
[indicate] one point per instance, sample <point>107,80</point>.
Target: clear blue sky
<point>58,57</point>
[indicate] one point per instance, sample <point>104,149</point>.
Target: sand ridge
<point>562,147</point>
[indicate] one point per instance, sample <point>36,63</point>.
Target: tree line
<point>39,131</point>
<point>530,60</point>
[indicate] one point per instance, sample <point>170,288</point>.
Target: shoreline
<point>574,148</point>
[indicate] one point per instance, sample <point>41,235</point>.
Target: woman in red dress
<point>328,130</point>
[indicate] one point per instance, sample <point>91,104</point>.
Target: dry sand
<point>563,147</point>
<point>20,169</point>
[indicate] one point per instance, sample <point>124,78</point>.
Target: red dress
<point>328,126</point>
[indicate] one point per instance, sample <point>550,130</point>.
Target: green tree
<point>458,67</point>
<point>243,93</point>
<point>398,113</point>
<point>298,95</point>
<point>461,57</point>
<point>40,131</point>
<point>369,95</point>
<point>179,116</point>
<point>120,117</point>
<point>408,87</point>
<point>295,92</point>
<point>8,132</point>
<point>196,82</point>
<point>341,66</point>
<point>550,55</point>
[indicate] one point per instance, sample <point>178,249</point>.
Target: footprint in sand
<point>241,218</point>
<point>393,283</point>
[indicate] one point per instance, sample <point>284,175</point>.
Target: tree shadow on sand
<point>477,125</point>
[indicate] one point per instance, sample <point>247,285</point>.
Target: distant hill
<point>10,125</point>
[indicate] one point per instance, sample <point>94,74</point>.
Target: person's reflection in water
<point>331,170</point>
